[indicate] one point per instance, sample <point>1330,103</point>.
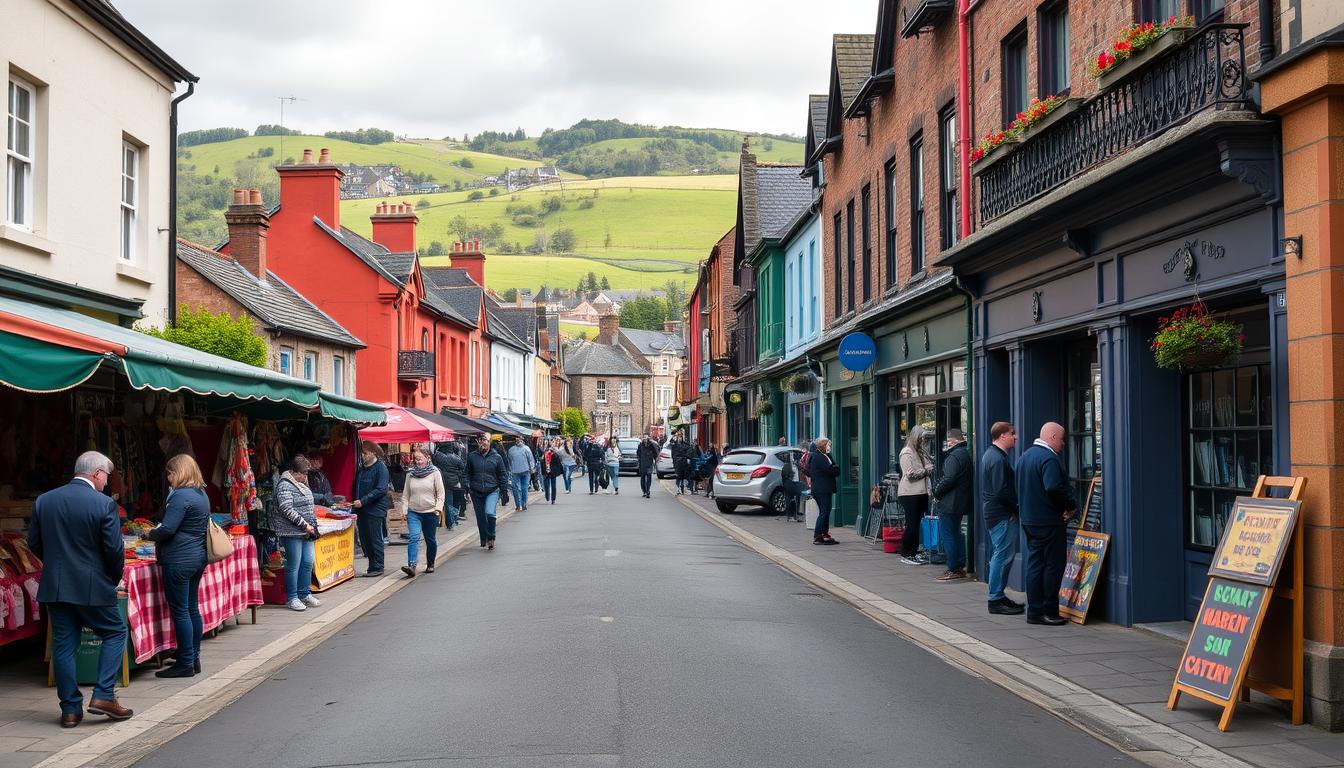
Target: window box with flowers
<point>1138,45</point>
<point>1193,338</point>
<point>995,146</point>
<point>1043,113</point>
<point>999,144</point>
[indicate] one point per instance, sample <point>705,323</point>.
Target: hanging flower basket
<point>764,408</point>
<point>1193,338</point>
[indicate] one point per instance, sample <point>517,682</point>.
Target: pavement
<point>613,630</point>
<point>1109,680</point>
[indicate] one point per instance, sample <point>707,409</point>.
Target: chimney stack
<point>311,189</point>
<point>468,256</point>
<point>249,223</point>
<point>325,157</point>
<point>608,325</point>
<point>394,227</point>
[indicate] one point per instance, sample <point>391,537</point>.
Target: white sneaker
<point>911,560</point>
<point>297,605</point>
<point>311,601</point>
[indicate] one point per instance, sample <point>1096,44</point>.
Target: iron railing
<point>415,365</point>
<point>1207,70</point>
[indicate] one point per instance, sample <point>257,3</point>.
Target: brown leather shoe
<point>110,708</point>
<point>71,719</point>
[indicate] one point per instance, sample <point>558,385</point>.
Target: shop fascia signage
<point>858,352</point>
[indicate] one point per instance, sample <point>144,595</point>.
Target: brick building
<point>709,358</point>
<point>607,382</point>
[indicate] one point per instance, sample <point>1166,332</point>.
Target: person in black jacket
<point>317,480</point>
<point>1045,504</point>
<point>953,492</point>
<point>998,497</point>
<point>822,471</point>
<point>647,455</point>
<point>371,504</point>
<point>595,456</point>
<point>682,452</point>
<point>451,468</point>
<point>487,475</point>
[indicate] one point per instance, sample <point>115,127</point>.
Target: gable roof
<point>816,127</point>
<point>653,342</point>
<point>522,323</point>
<point>851,63</point>
<point>272,301</point>
<point>368,251</point>
<point>882,72</point>
<point>782,192</point>
<point>103,12</point>
<point>500,329</point>
<point>588,358</point>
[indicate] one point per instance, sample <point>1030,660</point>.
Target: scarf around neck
<point>421,472</point>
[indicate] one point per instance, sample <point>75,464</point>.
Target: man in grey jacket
<point>521,466</point>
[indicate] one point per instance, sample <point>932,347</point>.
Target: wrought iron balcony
<point>415,365</point>
<point>1207,71</point>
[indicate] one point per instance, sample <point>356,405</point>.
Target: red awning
<point>405,427</point>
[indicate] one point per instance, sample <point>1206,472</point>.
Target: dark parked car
<point>629,457</point>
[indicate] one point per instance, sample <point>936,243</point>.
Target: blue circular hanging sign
<point>858,351</point>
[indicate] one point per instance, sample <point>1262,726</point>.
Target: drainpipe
<point>964,110</point>
<point>1266,31</point>
<point>172,205</point>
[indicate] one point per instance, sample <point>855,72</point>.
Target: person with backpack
<point>824,474</point>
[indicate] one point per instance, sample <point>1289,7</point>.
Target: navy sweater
<point>1043,490</point>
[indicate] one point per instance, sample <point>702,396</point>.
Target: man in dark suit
<point>76,534</point>
<point>1045,503</point>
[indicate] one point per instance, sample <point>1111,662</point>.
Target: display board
<point>1220,645</point>
<point>1082,570</point>
<point>1089,515</point>
<point>333,559</point>
<point>1255,540</point>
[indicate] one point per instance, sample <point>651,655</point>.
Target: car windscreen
<point>744,458</point>
<point>628,445</point>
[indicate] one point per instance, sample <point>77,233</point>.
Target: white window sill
<point>132,272</point>
<point>25,239</point>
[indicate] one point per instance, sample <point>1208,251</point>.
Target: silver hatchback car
<point>752,476</point>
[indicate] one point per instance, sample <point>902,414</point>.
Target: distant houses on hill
<point>364,181</point>
<point>523,178</point>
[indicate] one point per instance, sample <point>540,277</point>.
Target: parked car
<point>752,476</point>
<point>629,457</point>
<point>664,466</point>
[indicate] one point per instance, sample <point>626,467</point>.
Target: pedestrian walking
<point>421,500</point>
<point>552,469</point>
<point>594,457</point>
<point>711,465</point>
<point>371,504</point>
<point>180,551</point>
<point>76,534</point>
<point>998,497</point>
<point>581,452</point>
<point>487,476</point>
<point>913,493</point>
<point>568,460</point>
<point>790,479</point>
<point>647,457</point>
<point>296,526</point>
<point>1045,504</point>
<point>521,465</point>
<point>823,473</point>
<point>682,452</point>
<point>449,464</point>
<point>537,448</point>
<point>612,457</point>
<point>953,491</point>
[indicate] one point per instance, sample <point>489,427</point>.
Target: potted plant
<point>1043,113</point>
<point>1136,46</point>
<point>995,146</point>
<point>764,408</point>
<point>1193,338</point>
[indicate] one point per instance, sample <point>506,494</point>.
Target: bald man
<point>1045,503</point>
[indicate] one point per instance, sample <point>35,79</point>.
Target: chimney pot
<point>254,196</point>
<point>325,157</point>
<point>239,197</point>
<point>307,156</point>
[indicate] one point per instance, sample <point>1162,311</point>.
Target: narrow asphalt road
<point>612,630</point>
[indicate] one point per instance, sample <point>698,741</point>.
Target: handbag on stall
<point>218,545</point>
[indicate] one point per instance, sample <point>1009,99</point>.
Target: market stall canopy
<point>466,425</point>
<point>441,420</point>
<point>47,349</point>
<point>525,421</point>
<point>507,427</point>
<point>405,427</point>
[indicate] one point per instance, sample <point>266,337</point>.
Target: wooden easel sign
<point>1219,650</point>
<point>1082,570</point>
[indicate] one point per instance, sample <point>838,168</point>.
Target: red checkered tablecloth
<point>228,588</point>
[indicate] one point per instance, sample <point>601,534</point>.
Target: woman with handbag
<point>297,528</point>
<point>613,463</point>
<point>421,500</point>
<point>181,554</point>
<point>913,493</point>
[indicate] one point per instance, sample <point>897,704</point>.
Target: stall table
<point>228,587</point>
<point>334,552</point>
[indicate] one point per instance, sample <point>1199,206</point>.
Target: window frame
<point>1208,11</point>
<point>624,392</point>
<point>337,375</point>
<point>624,425</point>
<point>600,395</point>
<point>839,294</point>
<point>286,361</point>
<point>1014,74</point>
<point>310,362</point>
<point>866,227</point>
<point>1148,10</point>
<point>1052,49</point>
<point>850,283</point>
<point>130,209</point>
<point>918,225</point>
<point>889,182</point>
<point>949,186</point>
<point>27,163</point>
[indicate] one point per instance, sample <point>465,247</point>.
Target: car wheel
<point>725,507</point>
<point>779,502</point>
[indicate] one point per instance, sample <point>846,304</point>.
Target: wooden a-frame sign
<point>1233,613</point>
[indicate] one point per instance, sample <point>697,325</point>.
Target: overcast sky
<point>431,69</point>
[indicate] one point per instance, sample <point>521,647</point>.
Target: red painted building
<point>419,348</point>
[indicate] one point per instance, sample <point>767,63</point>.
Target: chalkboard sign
<point>1088,517</point>
<point>1082,568</point>
<point>1255,540</point>
<point>1223,638</point>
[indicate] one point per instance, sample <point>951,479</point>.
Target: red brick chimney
<point>608,325</point>
<point>469,256</point>
<point>312,189</point>
<point>248,224</point>
<point>543,332</point>
<point>394,226</point>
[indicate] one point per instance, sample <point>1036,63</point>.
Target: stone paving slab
<point>1135,671</point>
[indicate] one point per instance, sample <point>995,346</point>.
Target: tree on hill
<point>210,136</point>
<point>267,129</point>
<point>605,284</point>
<point>645,312</point>
<point>475,195</point>
<point>362,136</point>
<point>564,240</point>
<point>591,277</point>
<point>466,162</point>
<point>509,295</point>
<point>676,299</point>
<point>436,249</point>
<point>219,334</point>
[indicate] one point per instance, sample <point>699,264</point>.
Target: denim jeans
<point>954,545</point>
<point>484,504</point>
<point>614,473</point>
<point>298,566</point>
<point>520,485</point>
<point>1003,541</point>
<point>67,620</point>
<point>450,500</point>
<point>569,476</point>
<point>550,487</point>
<point>421,525</point>
<point>371,539</point>
<point>182,587</point>
<point>594,478</point>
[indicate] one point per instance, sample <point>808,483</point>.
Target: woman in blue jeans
<point>181,556</point>
<point>421,500</point>
<point>297,528</point>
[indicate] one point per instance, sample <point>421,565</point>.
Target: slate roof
<point>271,301</point>
<point>816,107</point>
<point>781,194</point>
<point>464,300</point>
<point>447,277</point>
<point>588,358</point>
<point>368,251</point>
<point>553,328</point>
<point>522,322</point>
<point>501,330</point>
<point>653,342</point>
<point>853,64</point>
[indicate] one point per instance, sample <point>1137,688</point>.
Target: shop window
<point>889,184</point>
<point>19,153</point>
<point>949,213</point>
<point>130,195</point>
<point>866,210</point>
<point>804,425</point>
<point>849,257</point>
<point>1158,10</point>
<point>917,205</point>
<point>1015,74</point>
<point>1229,442</point>
<point>1082,397</point>
<point>932,397</point>
<point>1054,49</point>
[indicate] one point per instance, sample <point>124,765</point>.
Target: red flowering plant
<point>1034,113</point>
<point>1133,39</point>
<point>1193,338</point>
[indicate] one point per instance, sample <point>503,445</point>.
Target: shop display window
<point>1082,449</point>
<point>1229,443</point>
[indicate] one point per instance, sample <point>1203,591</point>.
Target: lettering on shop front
<point>1253,546</point>
<point>1186,256</point>
<point>1082,571</point>
<point>1220,644</point>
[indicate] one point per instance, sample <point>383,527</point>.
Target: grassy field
<point>780,151</point>
<point>570,330</point>
<point>658,229</point>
